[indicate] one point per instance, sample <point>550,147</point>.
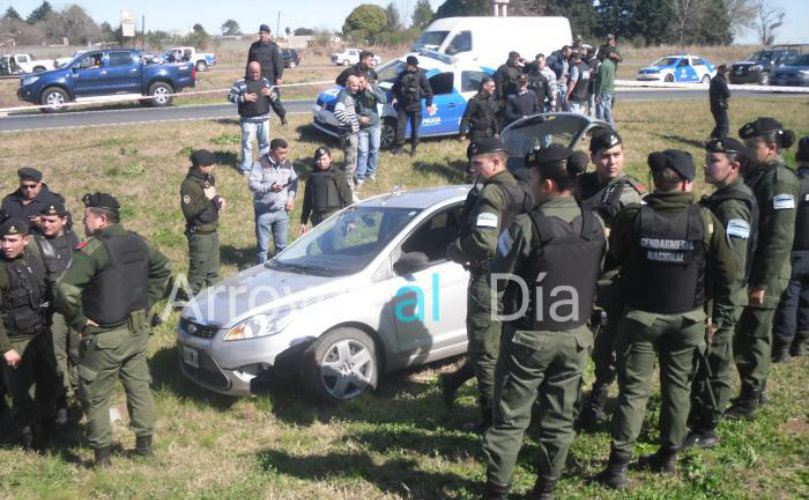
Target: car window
<point>120,59</point>
<point>90,61</point>
<point>665,61</point>
<point>683,62</point>
<point>461,43</point>
<point>441,83</point>
<point>470,80</point>
<point>23,59</point>
<point>390,71</point>
<point>434,235</point>
<point>435,38</point>
<point>696,61</point>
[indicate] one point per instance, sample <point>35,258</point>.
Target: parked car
<point>759,66</point>
<point>107,73</point>
<point>349,57</point>
<point>201,60</point>
<point>453,85</point>
<point>291,58</point>
<point>679,68</point>
<point>366,292</point>
<point>25,63</point>
<point>794,72</point>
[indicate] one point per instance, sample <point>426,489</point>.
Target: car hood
<point>260,290</point>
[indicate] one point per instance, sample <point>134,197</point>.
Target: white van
<point>488,40</point>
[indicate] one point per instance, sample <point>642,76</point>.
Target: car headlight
<point>260,325</point>
<point>29,79</point>
<point>804,71</point>
<point>756,67</point>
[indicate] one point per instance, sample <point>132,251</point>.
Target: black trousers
<point>792,315</point>
<point>277,105</point>
<point>37,368</point>
<point>402,116</point>
<point>720,116</point>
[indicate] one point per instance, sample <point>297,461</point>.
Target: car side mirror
<point>411,262</point>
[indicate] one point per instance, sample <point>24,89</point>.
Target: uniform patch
<point>80,245</point>
<point>186,199</point>
<point>738,228</point>
<point>783,202</point>
<point>504,243</point>
<point>487,220</point>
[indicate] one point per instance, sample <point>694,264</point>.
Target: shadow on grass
<point>401,477</point>
<point>228,158</point>
<point>242,258</point>
<point>309,133</point>
<point>680,139</point>
<point>453,173</point>
<point>164,366</point>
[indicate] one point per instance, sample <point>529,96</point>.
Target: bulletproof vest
<point>210,214</point>
<point>518,200</point>
<point>57,254</point>
<point>326,194</point>
<point>123,286</point>
<point>665,270</point>
<point>606,202</point>
<point>26,301</point>
<point>411,90</point>
<point>582,89</point>
<point>713,202</point>
<point>262,104</point>
<point>802,215</point>
<point>560,274</point>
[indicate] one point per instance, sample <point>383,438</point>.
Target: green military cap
<point>604,138</point>
<point>14,226</point>
<point>676,159</point>
<point>484,146</point>
<point>100,200</point>
<point>29,174</point>
<point>202,158</point>
<point>727,145</point>
<point>762,126</point>
<point>803,149</point>
<point>553,153</point>
<point>55,208</point>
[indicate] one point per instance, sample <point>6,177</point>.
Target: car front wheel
<point>340,365</point>
<point>54,98</point>
<point>346,62</point>
<point>669,78</point>
<point>764,79</point>
<point>388,136</point>
<point>292,64</point>
<point>706,80</point>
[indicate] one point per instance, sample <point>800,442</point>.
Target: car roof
<point>419,198</point>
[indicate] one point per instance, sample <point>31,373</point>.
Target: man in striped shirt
<point>346,114</point>
<point>253,94</point>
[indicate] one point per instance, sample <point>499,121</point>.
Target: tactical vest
<point>326,193</point>
<point>411,87</point>
<point>57,254</point>
<point>560,274</point>
<point>210,215</point>
<point>665,270</point>
<point>262,104</point>
<point>713,202</point>
<point>607,201</point>
<point>123,286</point>
<point>582,89</point>
<point>802,215</point>
<point>24,305</point>
<point>518,200</point>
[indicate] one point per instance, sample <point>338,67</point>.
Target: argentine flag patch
<point>738,228</point>
<point>487,220</point>
<point>783,202</point>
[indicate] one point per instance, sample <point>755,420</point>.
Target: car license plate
<point>191,357</point>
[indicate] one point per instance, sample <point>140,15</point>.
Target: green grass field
<point>399,442</point>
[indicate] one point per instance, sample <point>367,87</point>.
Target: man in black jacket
<point>480,116</point>
<point>523,103</point>
<point>409,88</point>
<point>267,53</point>
<point>30,199</point>
<point>719,94</point>
<point>364,67</point>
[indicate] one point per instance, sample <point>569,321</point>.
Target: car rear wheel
<point>346,62</point>
<point>202,66</point>
<point>706,80</point>
<point>388,136</point>
<point>54,98</point>
<point>292,64</point>
<point>160,92</point>
<point>339,366</point>
<point>764,78</point>
<point>669,78</point>
<point>39,69</point>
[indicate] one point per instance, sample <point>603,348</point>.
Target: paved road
<point>130,115</point>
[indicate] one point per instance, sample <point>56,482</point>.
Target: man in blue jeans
<point>605,88</point>
<point>273,183</point>
<point>370,134</point>
<point>253,94</point>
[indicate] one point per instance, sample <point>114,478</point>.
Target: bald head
<point>353,84</point>
<point>253,71</point>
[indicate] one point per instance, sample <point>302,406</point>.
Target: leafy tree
<point>199,29</point>
<point>365,23</point>
<point>230,28</point>
<point>304,32</point>
<point>12,14</point>
<point>394,19</point>
<point>452,8</point>
<point>40,13</point>
<point>422,14</point>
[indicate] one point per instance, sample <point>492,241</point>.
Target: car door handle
<point>451,105</point>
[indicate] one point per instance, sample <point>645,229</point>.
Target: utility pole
<point>143,32</point>
<point>278,27</point>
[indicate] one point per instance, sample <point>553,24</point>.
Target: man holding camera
<point>201,205</point>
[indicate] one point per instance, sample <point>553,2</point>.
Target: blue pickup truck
<point>105,73</point>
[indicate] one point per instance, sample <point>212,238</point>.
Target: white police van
<point>453,83</point>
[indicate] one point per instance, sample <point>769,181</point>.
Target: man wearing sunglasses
<point>32,197</point>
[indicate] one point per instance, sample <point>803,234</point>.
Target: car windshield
<point>433,38</point>
<point>346,243</point>
<point>541,131</point>
<point>666,61</point>
<point>761,55</point>
<point>389,72</point>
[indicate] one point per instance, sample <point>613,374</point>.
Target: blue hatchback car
<point>453,84</point>
<point>681,68</point>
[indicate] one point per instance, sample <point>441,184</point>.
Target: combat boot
<point>27,438</point>
<point>614,475</point>
<point>103,456</point>
<point>495,491</point>
<point>799,344</point>
<point>486,418</point>
<point>593,412</point>
<point>780,354</point>
<point>143,446</point>
<point>451,382</point>
<point>663,461</point>
<point>543,489</point>
<point>702,438</point>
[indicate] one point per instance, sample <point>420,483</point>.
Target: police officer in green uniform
<point>25,337</point>
<point>736,208</point>
<point>668,249</point>
<point>607,190</point>
<point>201,204</point>
<point>326,192</point>
<point>552,257</point>
<point>486,214</point>
<point>106,294</point>
<point>776,189</point>
<point>55,246</point>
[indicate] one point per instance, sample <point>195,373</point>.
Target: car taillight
<point>194,72</point>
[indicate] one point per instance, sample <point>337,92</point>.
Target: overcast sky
<point>180,14</point>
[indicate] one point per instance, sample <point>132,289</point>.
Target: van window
<point>120,59</point>
<point>23,59</point>
<point>441,83</point>
<point>435,38</point>
<point>461,43</point>
<point>470,80</point>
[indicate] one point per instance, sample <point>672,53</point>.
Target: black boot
<point>702,438</point>
<point>451,382</point>
<point>745,406</point>
<point>27,438</point>
<point>486,418</point>
<point>614,476</point>
<point>593,413</point>
<point>799,344</point>
<point>495,491</point>
<point>143,446</point>
<point>543,489</point>
<point>780,354</point>
<point>103,456</point>
<point>663,461</point>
